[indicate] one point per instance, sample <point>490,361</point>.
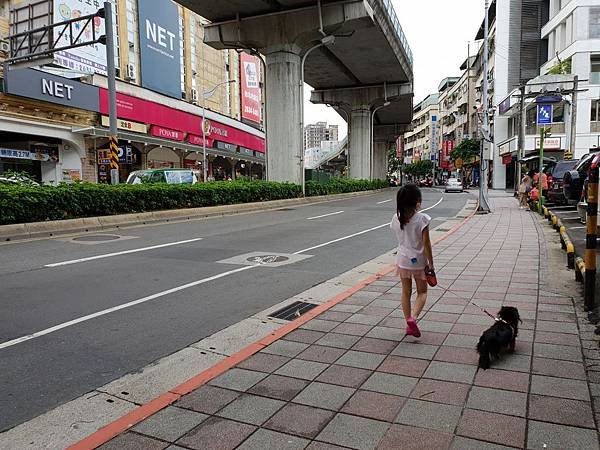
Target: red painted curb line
<point>113,429</point>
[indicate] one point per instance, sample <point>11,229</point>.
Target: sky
<point>438,32</point>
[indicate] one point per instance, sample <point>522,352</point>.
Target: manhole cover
<point>293,311</point>
<point>267,259</point>
<point>97,238</point>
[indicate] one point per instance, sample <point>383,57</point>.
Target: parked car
<point>169,176</point>
<point>453,185</point>
<point>573,179</point>
<point>582,205</point>
<point>556,173</point>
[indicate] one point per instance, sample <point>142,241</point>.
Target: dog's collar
<point>498,319</point>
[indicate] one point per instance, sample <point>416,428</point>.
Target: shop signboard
<point>16,154</point>
<point>145,111</point>
<point>434,134</point>
<point>44,153</point>
<point>399,146</point>
<point>126,125</point>
<point>507,159</point>
<point>166,133</point>
<point>198,140</point>
<point>226,146</point>
<point>552,143</point>
<point>88,59</point>
<point>43,86</point>
<point>160,46</point>
<point>250,87</point>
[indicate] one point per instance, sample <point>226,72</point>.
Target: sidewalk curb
<point>113,429</point>
<point>22,231</point>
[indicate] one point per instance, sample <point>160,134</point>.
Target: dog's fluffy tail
<point>484,354</point>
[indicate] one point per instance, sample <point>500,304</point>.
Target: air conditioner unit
<point>4,46</point>
<point>131,72</point>
<point>194,95</point>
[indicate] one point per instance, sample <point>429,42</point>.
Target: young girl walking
<point>414,252</point>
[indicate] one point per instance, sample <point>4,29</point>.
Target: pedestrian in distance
<point>524,189</point>
<point>414,256</point>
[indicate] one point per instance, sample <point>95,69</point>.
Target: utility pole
<point>521,141</point>
<point>484,165</point>
<point>573,135</point>
<point>111,75</point>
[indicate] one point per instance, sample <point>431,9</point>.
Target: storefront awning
<point>176,145</point>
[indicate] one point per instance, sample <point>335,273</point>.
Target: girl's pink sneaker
<point>412,329</point>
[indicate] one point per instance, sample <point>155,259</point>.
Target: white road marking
<point>577,228</point>
<point>324,215</point>
<point>385,201</point>
<point>125,252</point>
<point>37,334</point>
<point>570,217</point>
<point>358,233</point>
<point>104,312</point>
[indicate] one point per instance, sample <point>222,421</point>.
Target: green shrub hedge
<point>21,204</point>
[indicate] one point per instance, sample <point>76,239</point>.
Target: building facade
<point>421,142</point>
<point>315,133</point>
<point>165,75</point>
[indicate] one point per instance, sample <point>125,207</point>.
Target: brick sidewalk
<point>348,379</point>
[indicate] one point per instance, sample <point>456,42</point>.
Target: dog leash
<point>485,311</point>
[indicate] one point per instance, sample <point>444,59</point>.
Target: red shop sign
<point>197,140</point>
<point>507,159</point>
<point>165,133</point>
<point>144,111</point>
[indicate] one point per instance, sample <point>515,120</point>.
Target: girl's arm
<point>427,245</point>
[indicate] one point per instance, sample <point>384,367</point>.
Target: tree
<point>394,163</point>
<point>467,150</point>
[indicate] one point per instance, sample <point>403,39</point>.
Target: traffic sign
<point>544,114</point>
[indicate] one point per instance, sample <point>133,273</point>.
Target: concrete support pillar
<point>284,138</point>
<point>359,160</point>
<point>380,160</point>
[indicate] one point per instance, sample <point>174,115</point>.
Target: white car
<point>453,185</point>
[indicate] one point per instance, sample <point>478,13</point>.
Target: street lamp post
<point>372,150</point>
<point>326,40</point>
<point>206,95</point>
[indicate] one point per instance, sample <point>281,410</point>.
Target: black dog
<point>500,336</point>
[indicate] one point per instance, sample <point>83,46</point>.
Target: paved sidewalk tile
<point>238,379</point>
<point>267,439</point>
<point>298,368</point>
<point>412,438</point>
<point>498,401</point>
<point>170,423</point>
<point>561,369</point>
<point>560,410</point>
<point>263,362</point>
<point>325,396</point>
<point>462,373</point>
<point>320,353</point>
<point>388,383</point>
<point>399,365</point>
<point>251,409</point>
<point>354,432</point>
<point>503,379</point>
<point>497,428</point>
<point>207,399</point>
<point>374,345</point>
<point>374,405</point>
<point>278,387</point>
<point>217,434</point>
<point>300,420</point>
<point>441,392</point>
<point>415,350</point>
<point>429,415</point>
<point>560,436</point>
<point>462,443</point>
<point>344,376</point>
<point>560,387</point>
<point>133,441</point>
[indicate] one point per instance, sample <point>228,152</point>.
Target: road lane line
<point>358,233</point>
<point>125,252</point>
<point>385,201</point>
<point>37,334</point>
<point>324,215</point>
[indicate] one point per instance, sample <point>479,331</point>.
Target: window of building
<point>595,69</point>
<point>193,50</point>
<point>115,14</point>
<point>558,113</point>
<point>132,31</point>
<point>595,113</point>
<point>594,27</point>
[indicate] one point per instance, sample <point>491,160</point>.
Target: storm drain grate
<point>286,209</point>
<point>97,238</point>
<point>293,311</point>
<point>442,229</point>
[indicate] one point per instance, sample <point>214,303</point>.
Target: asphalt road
<point>52,351</point>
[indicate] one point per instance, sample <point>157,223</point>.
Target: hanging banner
<point>88,59</point>
<point>250,87</point>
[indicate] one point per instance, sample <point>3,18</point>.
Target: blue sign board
<point>160,46</point>
<point>544,114</point>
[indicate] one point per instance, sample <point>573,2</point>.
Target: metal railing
<point>389,8</point>
<point>329,155</point>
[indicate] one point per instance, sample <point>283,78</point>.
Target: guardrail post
<point>590,239</point>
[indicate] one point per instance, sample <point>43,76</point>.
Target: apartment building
<point>421,142</point>
<point>162,84</point>
<point>315,133</point>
